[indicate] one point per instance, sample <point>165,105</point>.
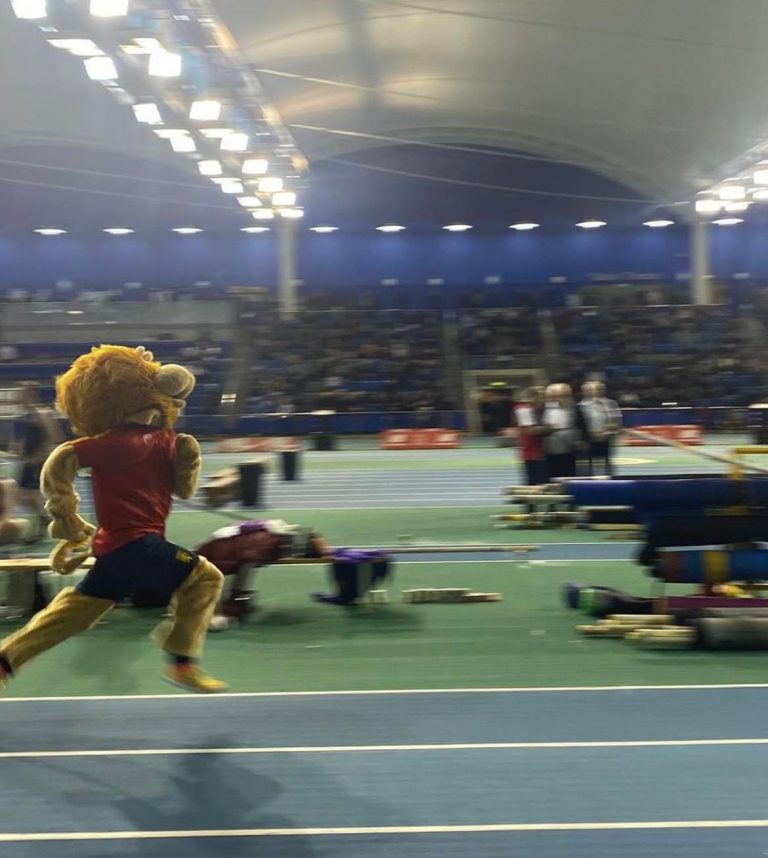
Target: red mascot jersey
<point>132,475</point>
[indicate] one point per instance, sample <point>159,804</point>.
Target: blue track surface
<point>300,779</point>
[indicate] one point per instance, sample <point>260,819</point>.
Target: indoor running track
<point>529,772</point>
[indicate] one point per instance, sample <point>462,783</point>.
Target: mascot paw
<point>72,529</point>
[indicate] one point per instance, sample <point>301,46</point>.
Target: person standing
<point>602,420</point>
<point>36,434</point>
<point>562,438</point>
<point>528,416</point>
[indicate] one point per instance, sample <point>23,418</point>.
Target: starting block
<point>448,596</point>
<point>222,487</point>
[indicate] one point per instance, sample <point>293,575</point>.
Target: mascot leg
<point>182,636</point>
<point>68,614</point>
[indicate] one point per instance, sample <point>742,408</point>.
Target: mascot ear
<point>145,354</point>
<point>175,381</point>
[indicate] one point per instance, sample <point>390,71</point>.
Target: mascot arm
<point>186,466</point>
<point>57,483</point>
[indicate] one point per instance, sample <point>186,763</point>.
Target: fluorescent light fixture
<point>524,227</point>
<point>740,206</point>
<point>255,166</point>
<point>591,224</point>
<point>732,192</point>
<point>760,195</point>
<point>728,221</point>
<point>255,230</point>
<point>101,68</point>
<point>29,9</point>
<point>457,227</point>
<point>236,142</point>
<point>263,214</point>
<point>183,143</point>
<point>77,47</point>
<point>706,205</point>
<point>163,63</point>
<point>205,111</point>
<point>323,229</point>
<point>118,230</point>
<point>250,202</point>
<point>147,113</point>
<point>284,198</point>
<point>233,186</point>
<point>187,230</point>
<point>109,8</point>
<point>142,46</point>
<point>390,227</point>
<point>216,133</point>
<point>210,168</point>
<point>292,214</point>
<point>658,224</point>
<point>168,133</point>
<point>760,176</point>
<point>270,185</point>
<point>50,231</point>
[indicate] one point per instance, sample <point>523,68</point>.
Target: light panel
<point>390,227</point>
<point>255,166</point>
<point>739,206</point>
<point>732,192</point>
<point>233,186</point>
<point>216,133</point>
<point>323,229</point>
<point>118,230</point>
<point>183,143</point>
<point>591,224</point>
<point>270,185</point>
<point>210,168</point>
<point>658,224</point>
<point>30,9</point>
<point>728,221</point>
<point>255,230</point>
<point>101,68</point>
<point>283,198</point>
<point>457,227</point>
<point>147,113</point>
<point>760,176</point>
<point>292,214</point>
<point>205,111</point>
<point>250,202</point>
<point>707,206</point>
<point>760,195</point>
<point>524,227</point>
<point>164,64</point>
<point>50,231</point>
<point>77,47</point>
<point>187,230</point>
<point>263,214</point>
<point>109,8</point>
<point>236,142</point>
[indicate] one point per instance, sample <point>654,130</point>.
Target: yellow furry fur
<point>109,385</point>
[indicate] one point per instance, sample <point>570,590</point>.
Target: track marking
<point>366,749</point>
<point>383,830</point>
<point>401,692</point>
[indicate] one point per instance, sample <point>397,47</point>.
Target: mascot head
<point>112,385</point>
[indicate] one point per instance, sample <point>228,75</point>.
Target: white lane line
<point>383,830</point>
<point>367,749</point>
<point>558,689</point>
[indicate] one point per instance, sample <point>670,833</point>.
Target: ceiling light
<point>187,230</point>
<point>77,47</point>
<point>29,9</point>
<point>168,133</point>
<point>591,224</point>
<point>162,63</point>
<point>255,166</point>
<point>236,142</point>
<point>760,176</point>
<point>48,231</point>
<point>292,214</point>
<point>109,8</point>
<point>101,68</point>
<point>524,227</point>
<point>118,230</point>
<point>658,224</point>
<point>232,186</point>
<point>390,227</point>
<point>255,230</point>
<point>740,206</point>
<point>148,113</point>
<point>183,143</point>
<point>210,168</point>
<point>142,46</point>
<point>215,133</point>
<point>284,198</point>
<point>270,185</point>
<point>250,202</point>
<point>263,214</point>
<point>728,221</point>
<point>760,195</point>
<point>205,111</point>
<point>323,229</point>
<point>457,227</point>
<point>732,192</point>
<point>706,205</point>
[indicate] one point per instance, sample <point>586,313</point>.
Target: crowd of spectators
<point>499,339</point>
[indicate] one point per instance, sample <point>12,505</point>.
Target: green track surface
<point>528,639</point>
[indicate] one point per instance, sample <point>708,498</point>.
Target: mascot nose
<point>175,381</point>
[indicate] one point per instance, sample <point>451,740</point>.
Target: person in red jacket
<point>528,418</point>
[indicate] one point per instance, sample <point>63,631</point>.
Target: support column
<point>701,283</point>
<point>287,286</point>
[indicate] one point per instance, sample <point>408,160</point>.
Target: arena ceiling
<point>653,98</point>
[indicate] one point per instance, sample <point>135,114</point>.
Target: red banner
<point>682,433</point>
<point>419,439</point>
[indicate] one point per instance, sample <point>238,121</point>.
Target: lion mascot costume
<point>122,405</point>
